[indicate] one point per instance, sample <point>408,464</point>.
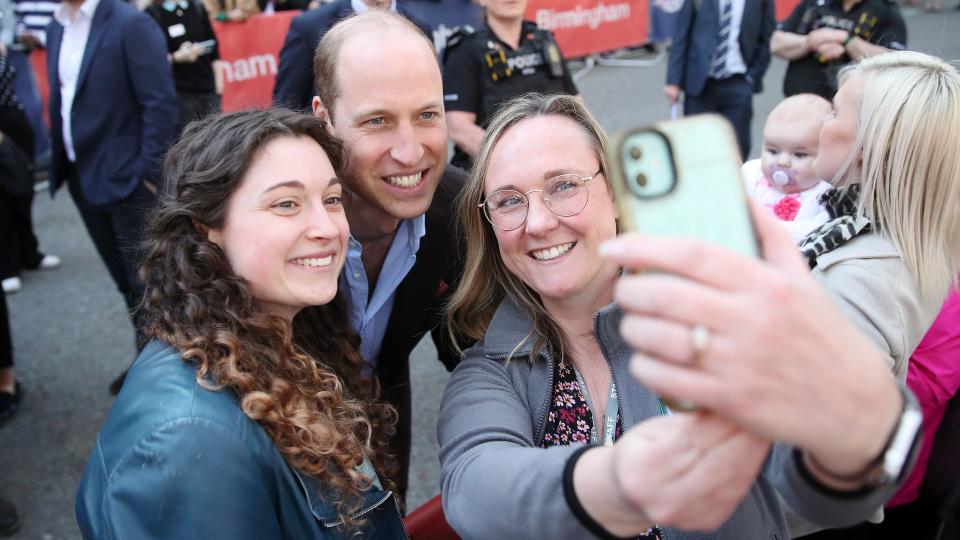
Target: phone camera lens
<point>636,153</point>
<point>642,180</point>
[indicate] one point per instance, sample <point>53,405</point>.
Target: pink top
<point>934,377</point>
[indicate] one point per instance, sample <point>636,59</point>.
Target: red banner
<point>250,50</point>
<point>784,8</point>
<point>250,54</point>
<point>583,27</point>
<point>38,62</point>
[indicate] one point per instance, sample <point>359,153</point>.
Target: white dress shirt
<point>735,64</point>
<point>76,29</point>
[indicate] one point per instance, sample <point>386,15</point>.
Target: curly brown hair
<point>303,382</point>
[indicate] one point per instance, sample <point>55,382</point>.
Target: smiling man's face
<point>389,115</point>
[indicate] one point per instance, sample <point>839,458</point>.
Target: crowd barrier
<point>250,50</point>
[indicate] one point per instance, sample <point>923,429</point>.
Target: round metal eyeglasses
<point>565,195</point>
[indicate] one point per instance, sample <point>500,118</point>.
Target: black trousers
<point>18,243</point>
<point>733,99</point>
<point>116,230</point>
<point>6,344</point>
<point>15,124</point>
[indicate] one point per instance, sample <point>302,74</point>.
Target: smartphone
<point>207,45</point>
<point>682,178</point>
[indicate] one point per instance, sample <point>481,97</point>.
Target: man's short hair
<point>328,50</point>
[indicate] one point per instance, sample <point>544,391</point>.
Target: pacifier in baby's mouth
<point>784,177</point>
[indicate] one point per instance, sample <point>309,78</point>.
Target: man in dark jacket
<point>401,260</point>
<point>294,84</point>
<point>113,112</point>
<point>720,52</point>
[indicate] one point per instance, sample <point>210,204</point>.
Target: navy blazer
<point>695,40</point>
<point>125,107</point>
<point>294,83</point>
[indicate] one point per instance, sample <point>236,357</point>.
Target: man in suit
<point>294,83</point>
<point>401,261</point>
<point>720,52</point>
<point>113,111</point>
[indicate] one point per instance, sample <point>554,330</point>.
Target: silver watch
<point>901,449</point>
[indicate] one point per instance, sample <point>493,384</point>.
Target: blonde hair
<point>908,142</point>
<point>486,280</point>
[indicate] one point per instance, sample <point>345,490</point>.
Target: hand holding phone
<point>206,46</point>
<point>682,178</point>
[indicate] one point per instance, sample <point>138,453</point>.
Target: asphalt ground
<point>72,336</point>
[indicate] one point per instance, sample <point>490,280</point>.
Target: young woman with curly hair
<point>247,415</point>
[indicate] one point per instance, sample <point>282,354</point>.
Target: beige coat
<point>878,293</point>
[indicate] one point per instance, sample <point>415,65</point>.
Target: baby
<point>783,179</point>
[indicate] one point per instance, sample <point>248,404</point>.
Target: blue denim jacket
<point>175,460</point>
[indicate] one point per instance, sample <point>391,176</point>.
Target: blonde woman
<point>889,253</point>
<point>888,257</point>
<point>544,433</point>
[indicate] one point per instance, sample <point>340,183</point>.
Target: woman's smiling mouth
<point>550,253</point>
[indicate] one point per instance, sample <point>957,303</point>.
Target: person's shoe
<point>49,262</point>
<point>117,383</point>
<point>9,519</point>
<point>9,403</point>
<point>12,285</point>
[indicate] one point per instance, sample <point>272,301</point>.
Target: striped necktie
<point>718,68</point>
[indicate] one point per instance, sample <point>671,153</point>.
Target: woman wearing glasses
<point>550,373</point>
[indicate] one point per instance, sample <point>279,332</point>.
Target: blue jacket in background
<point>174,461</point>
<point>125,107</point>
<point>695,41</point>
<point>294,84</point>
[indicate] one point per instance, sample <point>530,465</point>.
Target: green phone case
<point>705,197</point>
<point>706,201</point>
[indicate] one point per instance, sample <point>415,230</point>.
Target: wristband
<point>570,494</point>
<point>850,36</point>
<point>812,480</point>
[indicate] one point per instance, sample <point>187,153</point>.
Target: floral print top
<point>570,420</point>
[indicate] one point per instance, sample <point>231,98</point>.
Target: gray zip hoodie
<point>499,483</point>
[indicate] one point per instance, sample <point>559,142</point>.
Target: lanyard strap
<point>664,410</point>
<point>609,420</point>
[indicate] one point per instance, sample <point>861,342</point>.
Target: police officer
<point>483,68</point>
<point>821,36</point>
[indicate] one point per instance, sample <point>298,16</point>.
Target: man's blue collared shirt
<point>369,315</point>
